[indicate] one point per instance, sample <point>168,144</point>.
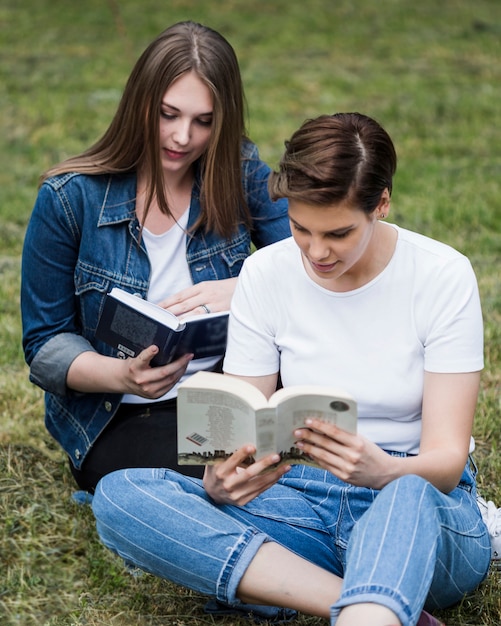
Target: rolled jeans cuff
<point>236,566</point>
<point>383,596</point>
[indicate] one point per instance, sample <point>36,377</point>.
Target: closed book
<point>130,324</point>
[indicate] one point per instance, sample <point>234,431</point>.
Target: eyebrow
<point>344,229</point>
<point>171,106</point>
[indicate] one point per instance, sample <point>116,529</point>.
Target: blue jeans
<point>404,547</point>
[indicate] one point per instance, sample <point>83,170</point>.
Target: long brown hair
<point>131,142</point>
<point>346,156</point>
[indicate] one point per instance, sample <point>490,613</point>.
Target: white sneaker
<point>492,518</point>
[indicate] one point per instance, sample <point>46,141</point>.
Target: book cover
<point>131,324</point>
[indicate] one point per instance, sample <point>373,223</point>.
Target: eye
<point>339,235</point>
<point>298,228</point>
<point>205,122</point>
<point>167,116</point>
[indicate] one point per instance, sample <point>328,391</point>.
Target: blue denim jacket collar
<point>120,202</point>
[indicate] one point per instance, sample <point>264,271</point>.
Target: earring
<point>382,216</point>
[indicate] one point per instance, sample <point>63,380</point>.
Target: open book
<point>216,414</point>
<point>131,324</point>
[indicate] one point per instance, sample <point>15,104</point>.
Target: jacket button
<point>78,454</point>
<point>108,406</point>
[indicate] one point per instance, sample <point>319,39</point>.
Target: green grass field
<point>429,71</point>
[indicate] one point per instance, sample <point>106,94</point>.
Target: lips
<point>323,267</point>
<point>174,154</point>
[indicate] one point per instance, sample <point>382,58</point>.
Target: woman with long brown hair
<point>165,205</point>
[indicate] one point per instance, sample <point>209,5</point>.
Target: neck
<point>177,192</point>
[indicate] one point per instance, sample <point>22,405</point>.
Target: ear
<point>383,208</point>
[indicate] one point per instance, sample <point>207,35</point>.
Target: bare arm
<point>92,372</point>
<point>449,402</point>
<point>266,384</point>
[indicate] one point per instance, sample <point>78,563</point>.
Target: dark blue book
<point>130,324</point>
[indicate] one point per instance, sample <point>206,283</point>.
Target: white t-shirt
<point>422,312</point>
<point>169,275</point>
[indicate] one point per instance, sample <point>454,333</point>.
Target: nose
<point>182,132</point>
<point>318,249</point>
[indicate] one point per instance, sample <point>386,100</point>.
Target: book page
<point>333,407</point>
<point>147,308</point>
<point>266,432</point>
<point>212,424</point>
<point>188,317</point>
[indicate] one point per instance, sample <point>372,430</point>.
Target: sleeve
<point>250,325</point>
<point>48,308</point>
<point>454,333</point>
<point>269,219</point>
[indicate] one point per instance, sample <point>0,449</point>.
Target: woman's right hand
<point>92,372</point>
<point>232,482</point>
<point>152,382</point>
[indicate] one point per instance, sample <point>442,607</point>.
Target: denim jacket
<point>82,240</point>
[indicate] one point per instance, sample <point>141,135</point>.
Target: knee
<point>409,485</point>
<point>412,495</point>
<point>129,494</point>
<point>109,496</point>
<point>118,493</point>
<point>412,491</point>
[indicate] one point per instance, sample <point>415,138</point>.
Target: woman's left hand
<point>352,458</point>
<point>232,481</point>
<point>209,296</point>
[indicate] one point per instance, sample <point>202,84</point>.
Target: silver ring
<point>204,307</point>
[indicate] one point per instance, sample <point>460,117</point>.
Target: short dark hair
<point>334,158</point>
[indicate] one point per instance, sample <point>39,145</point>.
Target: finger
<point>145,356</point>
<point>157,377</point>
<point>264,465</point>
<point>184,300</point>
<point>320,446</point>
<point>180,363</point>
<point>243,457</point>
<point>329,430</point>
<point>174,369</point>
<point>257,484</point>
<point>200,309</point>
<point>240,487</point>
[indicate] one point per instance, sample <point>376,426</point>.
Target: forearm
<point>49,367</point>
<point>91,372</point>
<point>442,467</point>
<point>68,361</point>
<point>356,460</point>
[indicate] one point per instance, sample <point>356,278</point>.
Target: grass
<point>430,72</point>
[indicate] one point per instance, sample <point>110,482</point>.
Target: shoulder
<point>255,175</point>
<point>427,253</point>
<point>74,180</point>
<point>108,198</point>
<point>435,267</point>
<point>270,272</point>
<point>248,150</point>
<point>74,186</point>
<point>58,182</point>
<point>252,164</point>
<point>276,255</point>
<point>421,245</point>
